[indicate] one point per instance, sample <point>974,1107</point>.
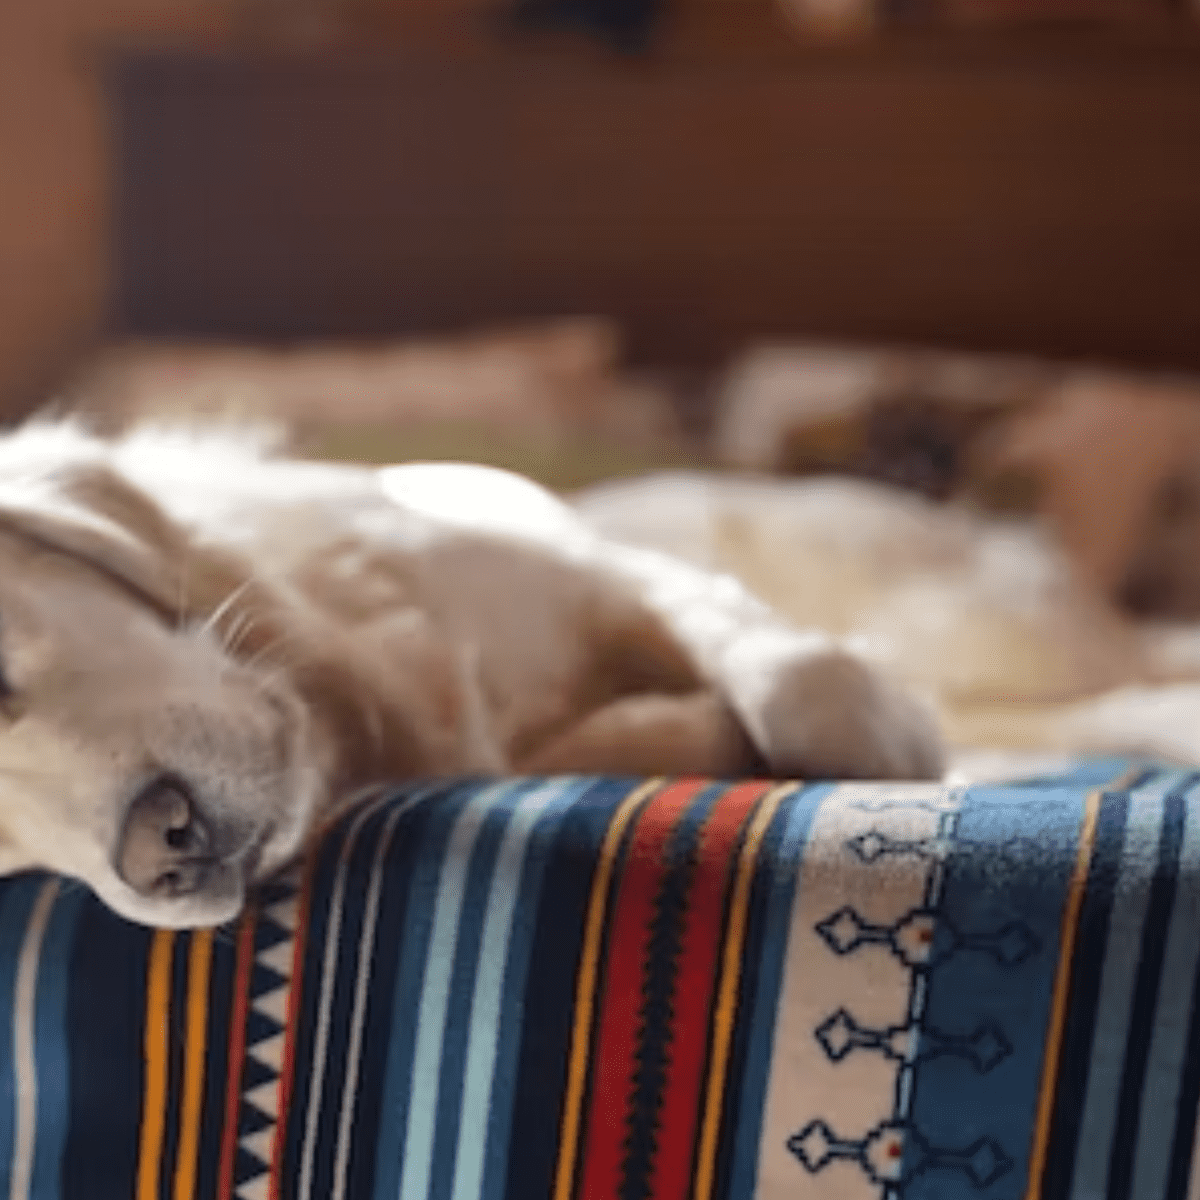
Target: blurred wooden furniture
<point>973,192</point>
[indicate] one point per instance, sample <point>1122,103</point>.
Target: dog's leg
<point>810,705</point>
<point>695,734</point>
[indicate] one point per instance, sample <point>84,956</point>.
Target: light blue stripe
<point>364,960</point>
<point>456,1024</point>
<point>429,847</point>
<point>1139,859</point>
<point>17,903</point>
<point>435,995</point>
<point>1168,1045</point>
<point>786,868</point>
<point>480,1119</point>
<point>53,1061</point>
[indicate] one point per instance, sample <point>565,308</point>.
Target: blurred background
<point>1017,175</point>
<point>587,236</point>
<point>948,247</point>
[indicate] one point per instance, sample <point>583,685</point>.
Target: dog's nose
<point>166,846</point>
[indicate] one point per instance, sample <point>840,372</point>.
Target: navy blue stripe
<point>216,1065</point>
<point>478,883</point>
<point>1145,997</point>
<point>105,1023</point>
<point>304,1022</point>
<point>1188,1105</point>
<point>1087,967</point>
<point>394,900</point>
<point>549,1004</point>
<point>17,900</point>
<point>436,830</point>
<point>52,1052</point>
<point>345,970</point>
<point>517,982</point>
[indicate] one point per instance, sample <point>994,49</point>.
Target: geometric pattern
<point>985,1047</point>
<point>596,989</point>
<point>894,1153</point>
<point>276,928</point>
<point>923,940</point>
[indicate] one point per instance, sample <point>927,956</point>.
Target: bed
<point>600,987</point>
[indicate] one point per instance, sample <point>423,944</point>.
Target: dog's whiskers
<point>210,625</point>
<point>241,626</point>
<point>263,655</point>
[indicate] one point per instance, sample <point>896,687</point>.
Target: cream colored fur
<point>207,650</point>
<point>990,617</point>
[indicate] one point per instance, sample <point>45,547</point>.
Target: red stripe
<point>287,1076</point>
<point>614,1059</point>
<point>237,1052</point>
<point>699,958</point>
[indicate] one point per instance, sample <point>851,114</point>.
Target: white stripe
<point>489,988</point>
<point>365,945</point>
<point>24,996</point>
<point>324,1012</point>
<point>435,997</point>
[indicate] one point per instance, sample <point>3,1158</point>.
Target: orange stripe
<point>154,1102</point>
<point>199,971</point>
<point>585,987</point>
<point>1062,988</point>
<point>727,994</point>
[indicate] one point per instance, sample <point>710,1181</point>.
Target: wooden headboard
<point>974,195</point>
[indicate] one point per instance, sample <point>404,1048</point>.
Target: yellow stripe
<point>154,1106</point>
<point>1062,986</point>
<point>726,1007</point>
<point>585,987</point>
<point>199,969</point>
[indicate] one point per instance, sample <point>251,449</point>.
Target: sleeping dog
<point>207,649</point>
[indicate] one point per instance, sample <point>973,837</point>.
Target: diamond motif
<point>837,1034</point>
<point>1014,944</point>
<point>813,1146</point>
<point>870,846</point>
<point>842,931</point>
<point>985,1162</point>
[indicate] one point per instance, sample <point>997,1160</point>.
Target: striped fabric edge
<point>1118,1070</point>
<point>676,941</point>
<point>37,927</point>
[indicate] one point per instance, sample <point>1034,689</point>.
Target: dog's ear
<point>90,512</point>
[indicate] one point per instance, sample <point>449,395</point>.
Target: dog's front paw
<point>825,713</point>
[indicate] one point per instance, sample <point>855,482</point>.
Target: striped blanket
<point>606,989</point>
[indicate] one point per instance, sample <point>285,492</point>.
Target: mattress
<point>611,988</point>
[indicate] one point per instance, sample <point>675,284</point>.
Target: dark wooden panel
<point>1039,203</point>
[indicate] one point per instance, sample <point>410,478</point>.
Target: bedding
<point>600,987</point>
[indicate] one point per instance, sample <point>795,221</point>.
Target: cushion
<point>658,988</point>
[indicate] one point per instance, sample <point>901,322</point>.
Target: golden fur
<point>206,650</point>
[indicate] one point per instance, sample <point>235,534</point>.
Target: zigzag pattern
<point>266,1025</point>
<point>655,1032</point>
